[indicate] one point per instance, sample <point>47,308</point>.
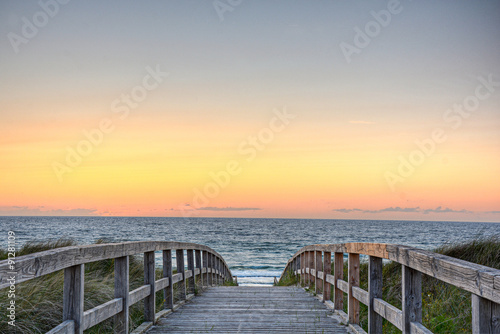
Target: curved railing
<point>313,265</point>
<point>212,270</point>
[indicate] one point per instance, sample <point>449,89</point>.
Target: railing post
<point>149,279</point>
<point>311,266</point>
<point>411,298</point>
<point>301,275</point>
<point>374,291</point>
<point>197,255</point>
<point>73,295</point>
<point>353,303</point>
<point>485,316</point>
<point>317,268</point>
<point>191,280</point>
<point>327,269</point>
<point>208,258</point>
<point>122,291</point>
<point>168,292</point>
<point>179,257</point>
<point>338,273</point>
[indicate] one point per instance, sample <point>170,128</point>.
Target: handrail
<point>313,265</point>
<point>202,261</point>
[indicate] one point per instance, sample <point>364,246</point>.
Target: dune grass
<point>39,301</point>
<point>446,308</point>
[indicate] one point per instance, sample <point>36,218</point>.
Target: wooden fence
<point>313,265</point>
<point>202,262</point>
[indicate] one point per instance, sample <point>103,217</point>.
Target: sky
<point>238,108</point>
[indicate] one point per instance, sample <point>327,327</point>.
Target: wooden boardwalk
<point>241,309</point>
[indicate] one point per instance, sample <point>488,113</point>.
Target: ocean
<point>256,250</point>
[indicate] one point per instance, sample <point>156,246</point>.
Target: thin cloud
<point>495,212</point>
<point>42,211</point>
<point>445,210</point>
<point>417,209</point>
<point>227,208</point>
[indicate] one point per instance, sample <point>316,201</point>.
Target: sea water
<point>256,250</point>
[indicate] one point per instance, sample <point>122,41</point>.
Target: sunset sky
<point>289,109</point>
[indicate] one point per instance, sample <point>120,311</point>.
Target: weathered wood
<point>73,296</point>
<point>179,257</point>
<point>302,269</point>
<point>197,256</point>
<point>206,264</point>
<point>353,303</point>
<point>67,327</point>
<point>251,310</point>
<point>318,266</point>
<point>162,283</point>
<point>374,291</point>
<point>46,262</point>
<point>485,316</point>
<point>102,312</point>
<point>121,291</point>
<point>343,285</point>
<point>411,287</point>
<point>149,279</point>
<point>327,269</point>
<point>477,279</point>
<point>389,312</point>
<point>168,292</point>
<point>338,274</point>
<point>418,328</point>
<point>190,263</point>
<point>138,294</point>
<point>360,295</point>
<point>312,280</point>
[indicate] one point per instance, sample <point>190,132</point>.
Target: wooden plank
<point>374,291</point>
<point>338,273</point>
<point>102,312</point>
<point>205,269</point>
<point>411,286</point>
<point>121,324</point>
<point>389,312</point>
<point>327,269</point>
<point>168,292</point>
<point>149,279</point>
<point>353,303</point>
<point>67,327</point>
<point>485,316</point>
<point>190,263</point>
<point>179,257</point>
<point>139,294</point>
<point>468,276</point>
<point>302,269</point>
<point>418,328</point>
<point>199,265</point>
<point>162,283</point>
<point>46,262</point>
<point>73,296</point>
<point>360,295</point>
<point>318,266</point>
<point>343,285</point>
<point>311,268</point>
<point>252,310</point>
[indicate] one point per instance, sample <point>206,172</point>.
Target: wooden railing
<point>202,261</point>
<point>313,265</point>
